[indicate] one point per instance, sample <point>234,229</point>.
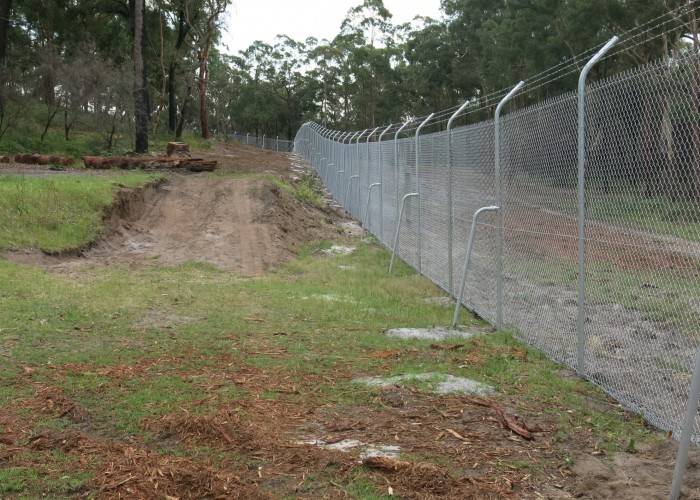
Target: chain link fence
<point>264,142</point>
<point>640,310</point>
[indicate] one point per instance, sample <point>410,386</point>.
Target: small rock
<point>437,333</point>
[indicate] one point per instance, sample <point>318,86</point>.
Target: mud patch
<point>439,383</point>
<point>438,333</point>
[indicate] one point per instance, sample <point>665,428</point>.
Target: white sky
<point>250,20</point>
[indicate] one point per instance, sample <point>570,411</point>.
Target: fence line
<point>264,142</point>
<point>637,321</point>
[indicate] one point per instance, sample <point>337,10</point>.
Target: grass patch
<point>59,212</point>
<point>307,190</point>
<point>282,327</point>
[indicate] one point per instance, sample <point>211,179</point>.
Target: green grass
<point>25,137</point>
<point>658,214</point>
<point>93,321</point>
<point>307,190</point>
<point>323,321</point>
<point>59,212</point>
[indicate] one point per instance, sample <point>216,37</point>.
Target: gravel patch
<point>338,250</point>
<point>442,383</point>
<point>437,333</point>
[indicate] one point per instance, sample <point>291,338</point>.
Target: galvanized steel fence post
<point>369,166</point>
<point>396,166</point>
<point>357,167</point>
<point>581,311</point>
<point>381,184</point>
<point>499,203</point>
<point>450,208</point>
<point>688,428</point>
<point>420,201</point>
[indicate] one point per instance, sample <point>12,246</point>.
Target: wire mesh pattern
<point>642,223</point>
<point>268,143</point>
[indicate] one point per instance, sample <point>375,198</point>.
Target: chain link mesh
<point>642,225</point>
<point>269,143</point>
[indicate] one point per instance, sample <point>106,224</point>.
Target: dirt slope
<point>242,225</point>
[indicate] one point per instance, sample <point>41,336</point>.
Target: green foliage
<point>70,66</point>
<point>16,479</point>
<point>307,190</point>
<point>57,213</point>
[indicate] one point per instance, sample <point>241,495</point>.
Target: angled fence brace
<point>581,310</point>
<point>398,230</point>
<point>348,191</point>
<point>450,215</point>
<point>419,250</point>
<point>369,197</point>
<point>687,432</point>
<point>320,167</point>
<point>467,260</point>
<point>329,173</point>
<point>499,203</point>
<point>337,194</point>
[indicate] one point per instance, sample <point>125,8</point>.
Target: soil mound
<point>247,226</point>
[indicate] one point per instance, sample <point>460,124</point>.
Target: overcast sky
<point>250,20</point>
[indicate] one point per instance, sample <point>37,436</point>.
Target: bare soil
<point>243,225</point>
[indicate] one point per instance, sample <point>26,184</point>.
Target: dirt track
<point>229,223</point>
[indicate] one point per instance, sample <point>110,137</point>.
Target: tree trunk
<point>203,112</point>
<point>5,7</point>
<point>185,108</point>
<point>49,120</point>
<point>140,95</point>
<point>172,98</point>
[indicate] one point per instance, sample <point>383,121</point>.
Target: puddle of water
<point>442,383</point>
